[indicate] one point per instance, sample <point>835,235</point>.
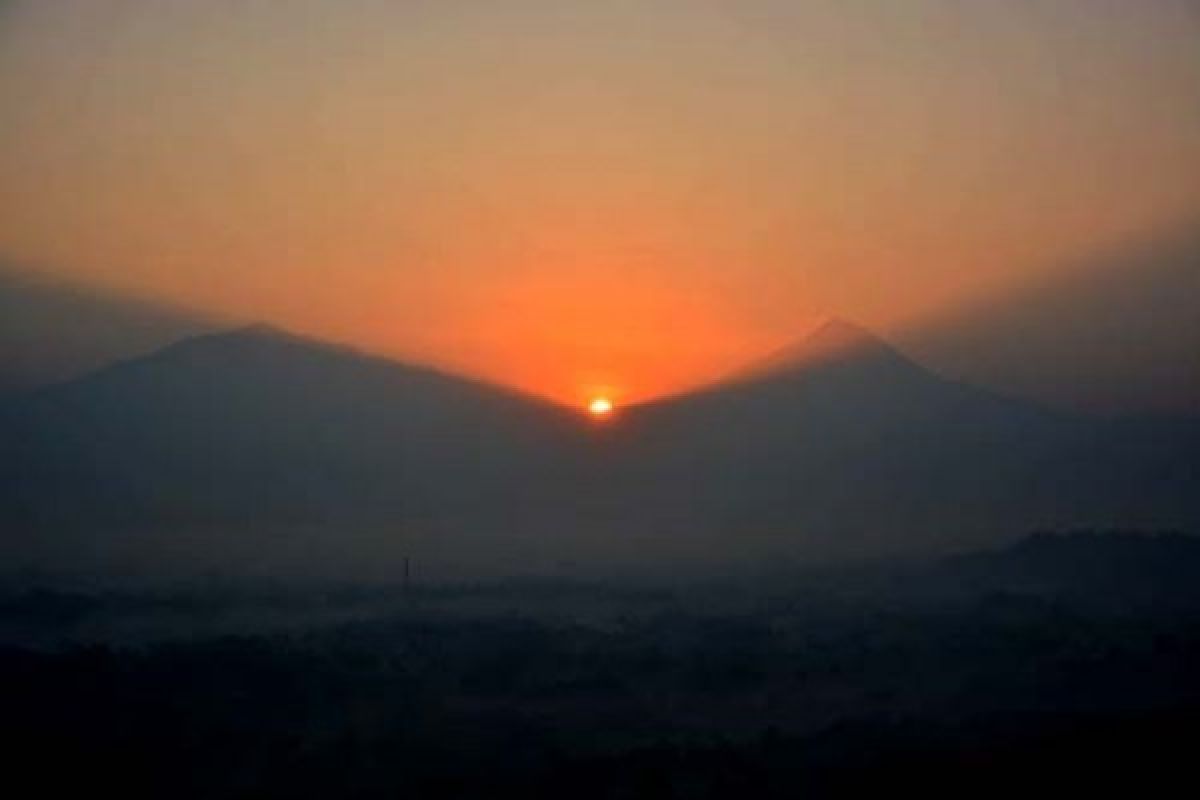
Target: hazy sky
<point>626,196</point>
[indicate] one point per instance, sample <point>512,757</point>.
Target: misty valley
<point>1061,663</point>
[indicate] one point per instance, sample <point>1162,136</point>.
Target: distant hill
<point>52,331</point>
<point>257,451</point>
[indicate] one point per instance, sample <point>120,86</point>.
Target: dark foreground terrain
<point>1065,664</point>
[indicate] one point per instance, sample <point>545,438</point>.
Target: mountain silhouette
<point>258,451</point>
<point>223,443</point>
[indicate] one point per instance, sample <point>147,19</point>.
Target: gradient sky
<point>579,197</point>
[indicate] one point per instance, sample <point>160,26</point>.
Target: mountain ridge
<point>256,446</point>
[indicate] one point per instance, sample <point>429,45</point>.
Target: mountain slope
<point>841,446</point>
<point>239,438</point>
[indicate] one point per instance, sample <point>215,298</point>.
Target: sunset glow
<point>390,176</point>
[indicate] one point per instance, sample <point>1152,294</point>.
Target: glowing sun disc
<point>600,406</point>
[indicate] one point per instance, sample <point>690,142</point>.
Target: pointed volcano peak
<point>833,341</point>
<point>836,335</point>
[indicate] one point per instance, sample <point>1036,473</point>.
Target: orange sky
<point>574,197</point>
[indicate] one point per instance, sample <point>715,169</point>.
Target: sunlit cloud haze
<point>576,198</point>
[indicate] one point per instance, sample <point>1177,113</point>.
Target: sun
<point>600,407</point>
